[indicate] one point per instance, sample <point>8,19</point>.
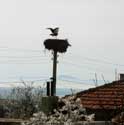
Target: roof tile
<point>108,96</point>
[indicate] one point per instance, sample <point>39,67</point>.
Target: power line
<point>74,81</point>
<point>23,63</point>
<point>22,57</point>
<point>36,60</point>
<point>84,66</point>
<point>39,51</point>
<point>97,60</point>
<point>19,49</point>
<point>28,81</point>
<point>44,80</point>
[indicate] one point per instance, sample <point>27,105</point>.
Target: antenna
<point>95,80</point>
<point>103,78</point>
<point>116,75</point>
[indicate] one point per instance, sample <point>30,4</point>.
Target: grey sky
<point>94,28</point>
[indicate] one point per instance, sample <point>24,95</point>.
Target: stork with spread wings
<point>54,31</point>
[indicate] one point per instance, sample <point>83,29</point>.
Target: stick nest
<point>58,45</point>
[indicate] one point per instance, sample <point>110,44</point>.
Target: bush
<point>23,101</point>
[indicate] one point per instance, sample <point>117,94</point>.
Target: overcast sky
<point>94,28</point>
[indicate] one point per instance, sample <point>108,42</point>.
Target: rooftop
<point>107,96</point>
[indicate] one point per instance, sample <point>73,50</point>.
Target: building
<point>105,101</point>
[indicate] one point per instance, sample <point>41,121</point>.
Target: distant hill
<point>5,91</point>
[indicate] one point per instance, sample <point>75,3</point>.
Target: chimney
<point>121,76</point>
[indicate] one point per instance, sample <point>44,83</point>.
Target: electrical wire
<point>72,55</point>
<point>109,62</point>
<point>85,66</point>
<point>31,81</point>
<point>19,49</point>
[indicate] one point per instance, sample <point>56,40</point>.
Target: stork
<point>54,31</point>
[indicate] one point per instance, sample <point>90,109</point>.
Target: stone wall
<point>85,123</point>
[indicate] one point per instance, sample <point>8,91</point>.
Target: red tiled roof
<point>108,96</point>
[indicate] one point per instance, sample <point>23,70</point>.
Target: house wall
<point>103,114</point>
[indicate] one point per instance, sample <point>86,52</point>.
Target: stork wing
<point>56,30</point>
<point>51,29</point>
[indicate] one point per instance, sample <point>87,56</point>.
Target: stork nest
<point>58,45</point>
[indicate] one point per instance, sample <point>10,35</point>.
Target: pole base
<point>49,103</point>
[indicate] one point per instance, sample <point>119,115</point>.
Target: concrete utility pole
<point>56,46</point>
<point>53,84</point>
